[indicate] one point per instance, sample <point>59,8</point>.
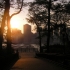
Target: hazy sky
<point>20,18</point>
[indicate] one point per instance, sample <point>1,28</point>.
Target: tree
<point>61,15</point>
<point>37,17</point>
<point>44,8</point>
<point>2,27</point>
<point>7,18</point>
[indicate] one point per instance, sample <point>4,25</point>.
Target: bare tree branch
<point>18,11</point>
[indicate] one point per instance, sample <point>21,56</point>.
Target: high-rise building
<point>27,29</point>
<point>28,36</point>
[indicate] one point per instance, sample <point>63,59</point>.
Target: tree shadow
<point>8,62</point>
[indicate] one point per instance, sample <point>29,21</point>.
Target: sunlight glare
<point>14,22</point>
<point>17,22</point>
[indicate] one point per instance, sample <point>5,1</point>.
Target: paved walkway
<point>28,62</point>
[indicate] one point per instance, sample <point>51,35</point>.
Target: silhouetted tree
<point>37,15</point>
<point>7,18</point>
<point>43,7</point>
<point>61,13</point>
<point>62,17</point>
<point>2,27</point>
<point>8,23</point>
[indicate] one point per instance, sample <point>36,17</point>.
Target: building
<point>28,36</point>
<point>16,35</point>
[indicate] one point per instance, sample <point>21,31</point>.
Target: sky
<point>20,18</point>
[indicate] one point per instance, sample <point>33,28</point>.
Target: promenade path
<point>28,61</point>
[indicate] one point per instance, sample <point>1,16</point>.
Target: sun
<point>15,23</point>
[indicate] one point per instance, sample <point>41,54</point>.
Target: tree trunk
<point>40,41</point>
<point>9,28</point>
<point>48,37</point>
<point>9,36</point>
<point>39,32</point>
<point>2,28</point>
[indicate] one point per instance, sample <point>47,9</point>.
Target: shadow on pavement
<point>7,62</point>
